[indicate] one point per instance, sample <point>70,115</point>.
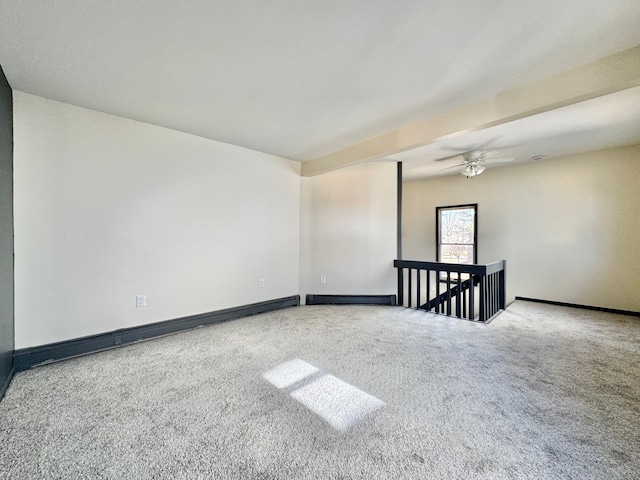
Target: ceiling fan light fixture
<point>472,170</point>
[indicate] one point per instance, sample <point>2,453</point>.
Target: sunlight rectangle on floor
<point>289,373</point>
<point>338,403</point>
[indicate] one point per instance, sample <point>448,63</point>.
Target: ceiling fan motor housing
<point>474,156</point>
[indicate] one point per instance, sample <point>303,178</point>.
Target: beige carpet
<point>341,392</point>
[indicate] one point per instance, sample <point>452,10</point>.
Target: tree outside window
<point>457,237</point>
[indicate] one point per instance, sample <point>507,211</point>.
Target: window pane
<point>456,226</point>
<point>456,254</point>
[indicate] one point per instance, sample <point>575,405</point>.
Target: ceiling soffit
<point>603,77</point>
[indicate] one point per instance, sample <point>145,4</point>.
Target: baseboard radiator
<point>350,299</point>
<point>631,313</point>
<point>26,358</point>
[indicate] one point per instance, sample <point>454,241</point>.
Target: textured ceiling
<point>298,79</point>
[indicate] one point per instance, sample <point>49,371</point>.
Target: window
<point>457,234</point>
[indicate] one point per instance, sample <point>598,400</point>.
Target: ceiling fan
<point>473,162</point>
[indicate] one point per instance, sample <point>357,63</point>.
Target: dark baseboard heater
<point>584,307</point>
<point>26,358</point>
<point>351,299</point>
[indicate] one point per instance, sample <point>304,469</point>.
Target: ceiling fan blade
<point>455,166</point>
<point>499,160</point>
<point>474,146</point>
<point>445,159</point>
<point>490,141</point>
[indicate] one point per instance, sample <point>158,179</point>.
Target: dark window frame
<point>474,206</point>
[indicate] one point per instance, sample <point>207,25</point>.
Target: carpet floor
<point>337,392</point>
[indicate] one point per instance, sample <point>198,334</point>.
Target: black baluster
<point>438,291</point>
<point>472,300</point>
<point>418,287</point>
<point>483,313</point>
<point>448,293</point>
<point>401,286</point>
<point>410,285</point>
<point>428,288</point>
<point>458,298</point>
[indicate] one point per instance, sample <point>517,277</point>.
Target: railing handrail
<point>475,269</point>
<point>494,267</point>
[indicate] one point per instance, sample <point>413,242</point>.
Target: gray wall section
<point>6,230</point>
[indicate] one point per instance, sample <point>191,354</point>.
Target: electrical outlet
<point>323,279</point>
<point>141,301</point>
<point>261,283</point>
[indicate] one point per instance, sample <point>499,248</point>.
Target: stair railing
<point>473,292</point>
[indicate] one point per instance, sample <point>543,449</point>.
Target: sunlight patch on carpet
<point>340,404</point>
<point>288,373</point>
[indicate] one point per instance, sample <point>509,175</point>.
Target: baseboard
<point>26,358</point>
<point>585,307</point>
<point>5,385</point>
<point>351,299</point>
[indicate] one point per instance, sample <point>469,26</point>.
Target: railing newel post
<point>503,290</point>
<point>482,300</point>
<point>401,286</point>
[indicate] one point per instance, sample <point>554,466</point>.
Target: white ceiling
<point>303,79</point>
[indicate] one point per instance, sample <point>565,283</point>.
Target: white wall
<point>107,208</point>
<point>348,230</point>
<point>569,228</point>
